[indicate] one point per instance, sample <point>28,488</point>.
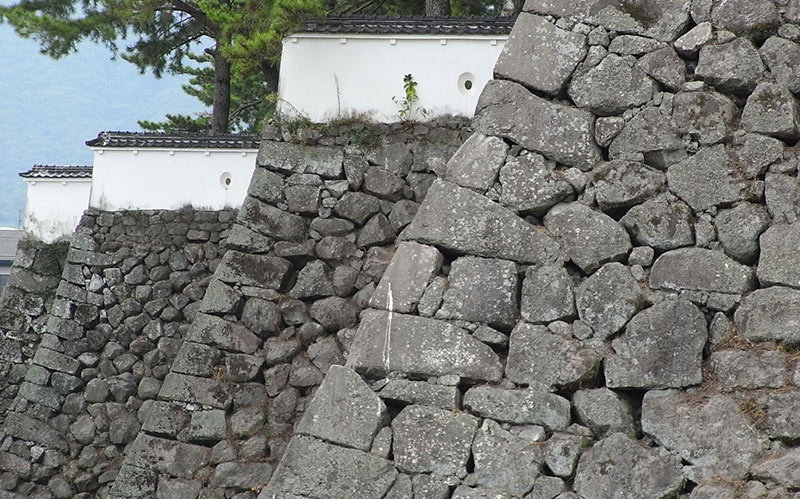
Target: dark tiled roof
<point>174,140</point>
<point>8,244</point>
<point>58,171</point>
<point>415,25</point>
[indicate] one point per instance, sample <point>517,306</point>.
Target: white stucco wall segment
<point>169,179</point>
<point>54,206</point>
<point>328,76</point>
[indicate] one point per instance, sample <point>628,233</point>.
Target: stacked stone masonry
<point>600,295</point>
<point>308,247</point>
<point>96,341</point>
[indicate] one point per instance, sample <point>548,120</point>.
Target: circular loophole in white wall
<point>226,180</point>
<point>466,83</point>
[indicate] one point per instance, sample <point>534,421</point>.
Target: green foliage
<point>408,103</point>
<point>251,101</point>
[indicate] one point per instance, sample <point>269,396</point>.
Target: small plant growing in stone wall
<point>409,100</point>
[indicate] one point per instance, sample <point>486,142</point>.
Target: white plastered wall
<point>164,179</point>
<point>325,77</point>
<point>54,206</point>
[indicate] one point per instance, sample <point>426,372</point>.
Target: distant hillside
<point>49,108</point>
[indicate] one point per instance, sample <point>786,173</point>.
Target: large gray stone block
<point>663,20</point>
<point>619,468</point>
<point>738,230</point>
<point>772,110</point>
<point>547,294</point>
<point>753,18</point>
<point>733,67</point>
<point>622,184</point>
<point>662,347</point>
<point>460,220</point>
<point>531,185</point>
<point>476,164</point>
<point>706,116</point>
<point>699,269</point>
<point>783,59</point>
<point>432,440</point>
<point>390,342</point>
<point>504,462</point>
<point>712,434</point>
<point>605,411</point>
<point>608,299</point>
<point>269,221</point>
<point>540,55</point>
<point>558,132</point>
<point>779,262</point>
<point>539,358</point>
<point>291,158</point>
<point>771,314</point>
<point>344,411</point>
<point>707,179</point>
<point>611,87</point>
<point>482,290</point>
<point>663,223</point>
<point>524,407</point>
<point>405,279</point>
<point>311,468</point>
<point>253,270</point>
<point>782,469</point>
<point>648,132</point>
<point>589,237</point>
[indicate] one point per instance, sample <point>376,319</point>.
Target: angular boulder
<point>476,164</point>
<point>432,440</point>
<point>662,347</point>
<point>590,238</point>
<point>608,299</point>
<point>699,269</point>
<point>648,132</point>
<point>524,406</point>
<point>344,411</point>
<point>622,184</point>
<point>291,158</point>
<point>611,87</point>
<point>405,279</point>
<point>460,220</point>
<point>547,294</point>
<point>706,116</point>
<point>530,184</point>
<point>707,179</point>
<point>618,467</point>
<point>772,110</point>
<point>733,67</point>
<point>558,132</point>
<point>389,342</point>
<point>771,314</point>
<point>311,468</point>
<point>540,55</point>
<point>663,223</point>
<point>712,434</point>
<point>783,60</point>
<point>539,358</point>
<point>779,262</point>
<point>482,290</point>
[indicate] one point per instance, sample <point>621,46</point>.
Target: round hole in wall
<point>466,83</point>
<point>225,180</point>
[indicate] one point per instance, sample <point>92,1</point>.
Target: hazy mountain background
<point>49,108</point>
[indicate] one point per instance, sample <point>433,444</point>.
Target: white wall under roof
<point>165,179</point>
<point>54,206</point>
<point>327,76</point>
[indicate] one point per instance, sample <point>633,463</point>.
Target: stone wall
<point>24,305</point>
<point>102,345</point>
<point>599,296</point>
<point>309,245</point>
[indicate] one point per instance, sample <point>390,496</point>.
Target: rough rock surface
<point>778,261</point>
<point>608,299</point>
<point>590,238</point>
<point>460,220</point>
<point>619,467</point>
<point>540,55</point>
<point>770,314</point>
<point>662,347</point>
<point>611,87</point>
<point>712,434</point>
<point>558,132</point>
